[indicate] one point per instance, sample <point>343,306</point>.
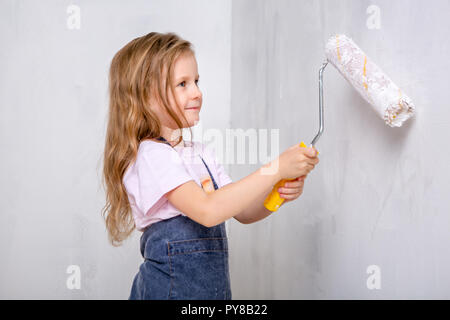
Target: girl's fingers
<point>207,184</point>
<point>290,196</point>
<point>293,184</point>
<point>290,190</point>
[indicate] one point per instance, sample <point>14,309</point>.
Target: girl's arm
<point>256,211</point>
<point>226,202</point>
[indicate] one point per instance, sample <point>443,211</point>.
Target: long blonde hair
<point>135,77</point>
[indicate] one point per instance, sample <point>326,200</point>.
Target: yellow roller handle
<point>273,200</point>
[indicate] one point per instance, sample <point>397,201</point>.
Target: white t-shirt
<point>158,169</point>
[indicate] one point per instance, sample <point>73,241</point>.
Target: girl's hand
<point>292,189</point>
<point>296,162</point>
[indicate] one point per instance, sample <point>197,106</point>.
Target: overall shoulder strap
<point>212,178</point>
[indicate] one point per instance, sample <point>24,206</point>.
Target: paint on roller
<point>364,74</point>
<point>337,48</point>
<point>369,80</point>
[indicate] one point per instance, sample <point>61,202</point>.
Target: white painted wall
<point>379,195</point>
<point>53,91</point>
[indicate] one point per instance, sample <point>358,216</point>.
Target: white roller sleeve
<point>369,80</point>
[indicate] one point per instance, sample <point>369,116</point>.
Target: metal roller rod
<point>316,138</point>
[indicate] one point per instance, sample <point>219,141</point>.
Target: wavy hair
<point>135,78</point>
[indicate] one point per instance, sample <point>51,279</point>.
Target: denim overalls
<point>183,260</point>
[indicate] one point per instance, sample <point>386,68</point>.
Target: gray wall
<point>53,91</point>
<point>379,195</point>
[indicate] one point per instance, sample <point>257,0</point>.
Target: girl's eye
<point>184,83</point>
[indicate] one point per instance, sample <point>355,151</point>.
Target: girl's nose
<point>196,93</point>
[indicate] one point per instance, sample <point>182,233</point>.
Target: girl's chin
<point>193,121</point>
<point>193,118</point>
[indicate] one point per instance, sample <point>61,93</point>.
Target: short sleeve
<point>159,169</point>
<point>224,178</point>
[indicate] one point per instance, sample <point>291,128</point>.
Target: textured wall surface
<point>53,91</point>
<point>378,200</point>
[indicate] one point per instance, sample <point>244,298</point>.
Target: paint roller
<point>388,101</point>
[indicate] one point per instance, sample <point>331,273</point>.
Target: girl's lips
<point>196,108</point>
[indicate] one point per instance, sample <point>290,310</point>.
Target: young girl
<point>175,191</point>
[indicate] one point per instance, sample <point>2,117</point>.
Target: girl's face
<point>187,93</point>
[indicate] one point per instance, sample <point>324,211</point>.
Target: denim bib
<point>183,260</point>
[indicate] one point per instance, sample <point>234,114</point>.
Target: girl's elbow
<point>209,214</point>
<point>213,214</point>
<point>209,221</point>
